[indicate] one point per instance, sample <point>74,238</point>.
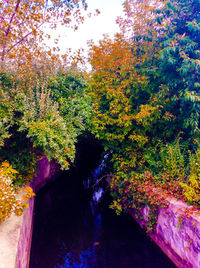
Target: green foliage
<point>46,128</point>
<point>191,188</point>
<point>179,60</point>
<point>19,153</point>
<point>44,119</point>
<point>172,161</point>
<point>68,89</point>
<point>6,110</point>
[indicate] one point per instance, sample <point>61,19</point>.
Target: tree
<point>123,85</point>
<point>180,64</point>
<point>145,87</point>
<point>22,28</point>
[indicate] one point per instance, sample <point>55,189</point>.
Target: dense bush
<point>43,120</point>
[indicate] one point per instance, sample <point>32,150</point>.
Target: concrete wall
<point>16,232</point>
<point>25,237</point>
<point>177,233</point>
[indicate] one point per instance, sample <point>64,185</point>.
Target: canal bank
<point>179,241</point>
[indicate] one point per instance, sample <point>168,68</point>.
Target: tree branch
<point>105,176</point>
<point>24,37</point>
<point>9,27</point>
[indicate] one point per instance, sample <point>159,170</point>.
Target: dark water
<point>68,234</point>
<point>71,232</point>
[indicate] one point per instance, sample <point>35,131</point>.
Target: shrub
<point>8,195</point>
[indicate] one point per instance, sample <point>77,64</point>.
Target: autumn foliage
<point>9,202</point>
<point>145,88</point>
<point>142,100</point>
<point>25,28</point>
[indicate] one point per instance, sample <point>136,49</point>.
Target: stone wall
<point>177,233</point>
<point>16,232</point>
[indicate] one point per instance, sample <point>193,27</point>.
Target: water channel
<point>74,229</point>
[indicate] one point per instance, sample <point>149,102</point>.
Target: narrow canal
<point>73,230</point>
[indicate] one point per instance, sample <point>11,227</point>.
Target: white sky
<point>93,28</point>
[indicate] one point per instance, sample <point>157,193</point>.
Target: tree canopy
<point>22,29</point>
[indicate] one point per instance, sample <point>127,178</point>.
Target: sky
<point>93,28</point>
